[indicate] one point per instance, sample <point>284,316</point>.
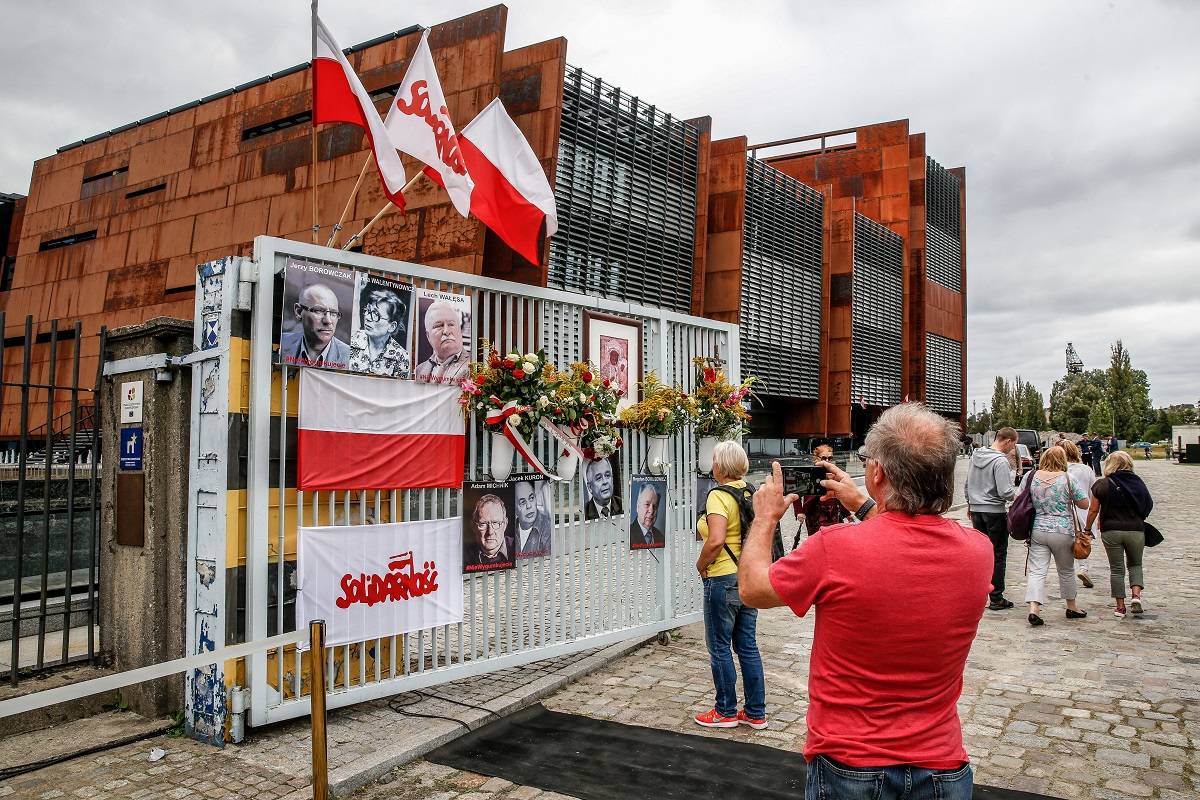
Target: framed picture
<point>318,301</point>
<point>379,333</point>
<point>614,345</point>
<point>441,336</point>
<point>648,512</point>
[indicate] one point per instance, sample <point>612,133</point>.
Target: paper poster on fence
<point>368,581</point>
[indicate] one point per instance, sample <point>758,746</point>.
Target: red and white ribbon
<point>503,417</point>
<point>568,439</point>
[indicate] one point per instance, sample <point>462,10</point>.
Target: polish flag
<point>339,96</point>
<point>419,124</point>
<point>360,432</point>
<point>512,195</point>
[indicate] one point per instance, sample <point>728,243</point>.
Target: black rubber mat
<point>595,759</point>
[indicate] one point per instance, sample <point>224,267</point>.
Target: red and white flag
<point>419,124</point>
<point>369,581</point>
<point>360,432</point>
<point>339,96</point>
<point>512,195</point>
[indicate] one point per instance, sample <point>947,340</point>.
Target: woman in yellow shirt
<point>728,623</point>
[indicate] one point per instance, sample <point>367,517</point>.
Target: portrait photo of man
<point>316,320</point>
<point>648,518</point>
<point>602,479</point>
<point>488,540</point>
<point>535,531</point>
<point>442,337</point>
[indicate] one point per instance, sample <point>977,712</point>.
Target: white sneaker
<point>1135,605</point>
<point>1084,578</point>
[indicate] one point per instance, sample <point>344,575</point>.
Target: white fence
<point>593,590</point>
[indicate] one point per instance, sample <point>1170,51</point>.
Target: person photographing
<point>882,702</point>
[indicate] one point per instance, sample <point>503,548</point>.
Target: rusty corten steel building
<point>844,265</point>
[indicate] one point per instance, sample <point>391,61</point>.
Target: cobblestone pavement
<point>1097,709</point>
<point>276,762</point>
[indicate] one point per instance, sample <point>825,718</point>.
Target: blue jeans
<point>726,622</point>
<point>829,780</point>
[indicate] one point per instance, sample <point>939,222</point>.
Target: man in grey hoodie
<point>989,489</point>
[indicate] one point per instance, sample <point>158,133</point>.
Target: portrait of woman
<point>381,329</point>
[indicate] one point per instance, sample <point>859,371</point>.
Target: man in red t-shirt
<point>899,598</point>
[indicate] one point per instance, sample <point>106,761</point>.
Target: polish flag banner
<point>371,581</point>
<point>339,96</point>
<point>359,432</point>
<point>512,195</point>
<point>419,124</point>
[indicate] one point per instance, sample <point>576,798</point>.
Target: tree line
<point>1113,401</point>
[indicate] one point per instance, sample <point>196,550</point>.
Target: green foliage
<point>1072,400</point>
<point>1019,405</point>
<point>979,423</point>
<point>1101,400</point>
<point>1101,419</point>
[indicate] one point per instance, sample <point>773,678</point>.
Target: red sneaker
<point>757,724</point>
<point>713,719</point>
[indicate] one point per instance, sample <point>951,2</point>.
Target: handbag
<point>1020,513</point>
<point>1153,536</point>
<point>1081,548</point>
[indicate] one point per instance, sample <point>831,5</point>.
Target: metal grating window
<point>943,228</point>
<point>781,282</point>
<point>626,197</point>
<point>877,354</point>
<point>943,374</point>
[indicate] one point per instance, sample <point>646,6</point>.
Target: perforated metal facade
<point>626,196</point>
<point>943,374</point>
<point>943,226</point>
<point>876,354</point>
<point>780,315</point>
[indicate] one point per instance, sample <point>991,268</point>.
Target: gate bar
<point>22,461</point>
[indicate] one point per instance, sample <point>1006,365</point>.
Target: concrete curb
<point>346,780</point>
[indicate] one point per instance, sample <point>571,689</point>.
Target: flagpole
<point>350,200</point>
<point>316,226</point>
<point>388,207</point>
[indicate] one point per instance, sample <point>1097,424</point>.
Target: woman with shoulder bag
<point>1053,535</point>
<point>726,621</point>
<point>1083,477</point>
<point>1122,502</point>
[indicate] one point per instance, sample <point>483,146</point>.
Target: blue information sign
<point>131,448</point>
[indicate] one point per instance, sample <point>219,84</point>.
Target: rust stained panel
<point>136,286</point>
<point>521,90</point>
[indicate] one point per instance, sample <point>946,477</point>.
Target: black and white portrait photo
<point>534,524</point>
<point>489,526</point>
<point>442,336</point>
<point>602,480</point>
<point>317,305</point>
<point>648,513</point>
<point>379,338</point>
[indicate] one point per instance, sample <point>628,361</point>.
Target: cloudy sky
<point>1078,123</point>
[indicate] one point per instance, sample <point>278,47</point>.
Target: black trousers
<point>995,526</point>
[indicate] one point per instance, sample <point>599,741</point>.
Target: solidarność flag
<point>360,432</point>
<point>419,124</point>
<point>512,195</point>
<point>339,96</point>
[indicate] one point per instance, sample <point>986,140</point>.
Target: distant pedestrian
<point>988,490</point>
<point>818,510</point>
<point>1113,445</point>
<point>1081,476</point>
<point>1146,449</point>
<point>1122,502</point>
<point>1085,450</point>
<point>1053,535</point>
<point>1097,454</point>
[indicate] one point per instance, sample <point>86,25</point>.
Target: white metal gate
<point>592,591</point>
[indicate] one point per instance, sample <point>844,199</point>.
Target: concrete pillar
<point>142,567</point>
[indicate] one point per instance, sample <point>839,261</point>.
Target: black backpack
<point>745,504</point>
